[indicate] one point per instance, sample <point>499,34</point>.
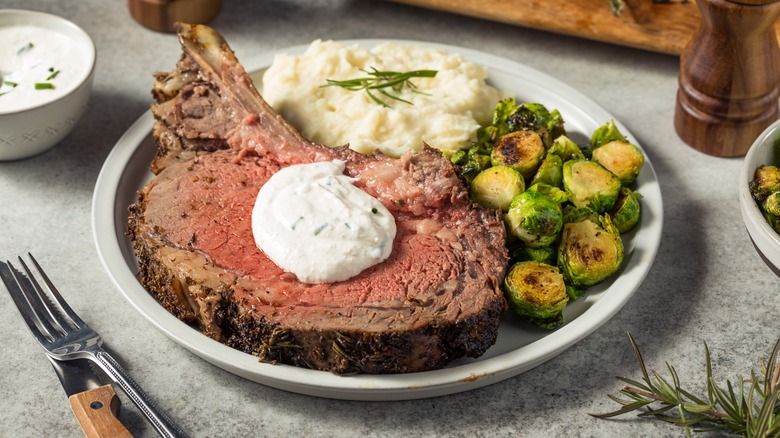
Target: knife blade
<point>96,406</point>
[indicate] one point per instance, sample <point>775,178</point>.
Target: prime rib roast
<point>437,298</point>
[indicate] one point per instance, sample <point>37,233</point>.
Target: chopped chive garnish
<point>25,48</point>
<point>10,84</point>
<point>53,74</point>
<point>44,86</point>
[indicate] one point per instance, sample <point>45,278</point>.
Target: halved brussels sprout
<point>590,251</point>
<point>496,187</point>
<point>765,181</point>
<point>771,204</point>
<point>620,157</point>
<point>522,150</point>
<point>550,171</point>
<point>627,210</point>
<point>534,218</point>
<point>589,184</point>
<point>536,291</point>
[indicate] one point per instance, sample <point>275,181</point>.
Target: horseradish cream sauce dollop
<point>312,221</point>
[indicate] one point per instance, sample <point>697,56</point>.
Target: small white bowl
<point>765,239</point>
<point>35,126</point>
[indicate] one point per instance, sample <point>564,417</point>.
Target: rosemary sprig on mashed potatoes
<point>382,80</point>
<point>445,112</point>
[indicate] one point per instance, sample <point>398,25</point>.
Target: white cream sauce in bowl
<point>46,69</point>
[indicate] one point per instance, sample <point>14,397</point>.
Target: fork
<point>65,336</point>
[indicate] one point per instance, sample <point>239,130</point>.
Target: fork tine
<point>10,277</point>
<point>75,320</point>
<point>40,302</point>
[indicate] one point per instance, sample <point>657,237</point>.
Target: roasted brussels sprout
<point>590,251</point>
<point>534,218</point>
<point>536,291</point>
<point>555,193</point>
<point>565,148</point>
<point>535,117</point>
<point>589,184</point>
<point>545,254</point>
<point>771,204</point>
<point>522,150</point>
<point>576,214</point>
<point>627,210</point>
<point>766,180</point>
<point>550,171</point>
<point>471,161</point>
<point>496,187</point>
<point>510,117</point>
<point>620,157</point>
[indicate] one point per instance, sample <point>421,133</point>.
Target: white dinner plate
<point>519,346</point>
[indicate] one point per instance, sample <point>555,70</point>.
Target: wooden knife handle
<point>96,411</point>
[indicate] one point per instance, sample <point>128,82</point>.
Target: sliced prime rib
<point>437,298</point>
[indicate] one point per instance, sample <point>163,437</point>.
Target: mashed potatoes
<point>445,117</point>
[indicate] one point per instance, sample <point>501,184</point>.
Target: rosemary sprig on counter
<point>387,83</point>
<point>750,408</point>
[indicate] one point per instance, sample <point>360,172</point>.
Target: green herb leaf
<point>24,48</point>
<point>53,74</point>
<point>748,408</point>
<point>44,86</point>
<point>10,84</point>
<point>387,83</point>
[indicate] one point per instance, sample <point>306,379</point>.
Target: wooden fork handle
<point>96,411</point>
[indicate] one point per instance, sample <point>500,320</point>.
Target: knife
<point>95,405</point>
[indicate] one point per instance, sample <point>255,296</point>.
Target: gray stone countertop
<point>707,283</point>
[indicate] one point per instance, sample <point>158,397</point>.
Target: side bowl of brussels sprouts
<point>759,189</point>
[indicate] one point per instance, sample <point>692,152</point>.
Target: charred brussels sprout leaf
<point>620,157</point>
<point>605,134</point>
<point>565,148</point>
<point>521,150</point>
<point>589,184</point>
<point>536,291</point>
<point>590,251</point>
<point>535,219</point>
<point>627,210</point>
<point>496,187</point>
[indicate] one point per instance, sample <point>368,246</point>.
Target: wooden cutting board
<point>658,27</point>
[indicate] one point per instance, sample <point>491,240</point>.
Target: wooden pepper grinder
<point>162,14</point>
<point>729,76</point>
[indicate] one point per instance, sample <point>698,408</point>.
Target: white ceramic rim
<point>587,314</point>
<point>56,24</point>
